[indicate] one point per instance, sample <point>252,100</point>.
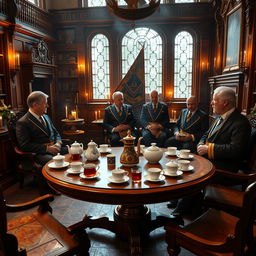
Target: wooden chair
<point>25,160</point>
<point>217,232</point>
<point>39,233</point>
<point>229,198</point>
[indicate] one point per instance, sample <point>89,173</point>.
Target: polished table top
<point>103,191</point>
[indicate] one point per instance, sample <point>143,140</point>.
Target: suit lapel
<point>154,114</point>
<point>224,125</point>
<point>121,118</point>
<point>38,124</point>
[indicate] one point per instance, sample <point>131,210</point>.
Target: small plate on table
<point>161,178</point>
<point>112,180</point>
<point>190,169</point>
<point>89,178</point>
<point>70,171</point>
<point>52,165</point>
<point>178,173</point>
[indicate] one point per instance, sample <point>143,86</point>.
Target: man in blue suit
<point>154,119</point>
<point>190,127</point>
<point>35,131</point>
<point>118,119</point>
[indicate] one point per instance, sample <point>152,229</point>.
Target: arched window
<point>183,61</point>
<point>131,45</point>
<point>100,67</point>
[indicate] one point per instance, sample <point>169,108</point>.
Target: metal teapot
<point>129,157</point>
<point>92,153</point>
<point>76,148</point>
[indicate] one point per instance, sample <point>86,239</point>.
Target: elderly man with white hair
<point>226,141</point>
<point>118,119</point>
<point>224,144</point>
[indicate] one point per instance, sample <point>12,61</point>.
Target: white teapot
<point>153,154</point>
<point>92,153</point>
<point>76,148</point>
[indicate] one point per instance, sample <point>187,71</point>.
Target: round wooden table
<point>132,219</point>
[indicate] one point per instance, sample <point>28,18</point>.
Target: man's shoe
<point>172,204</point>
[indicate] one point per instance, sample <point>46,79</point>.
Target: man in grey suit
<point>35,131</point>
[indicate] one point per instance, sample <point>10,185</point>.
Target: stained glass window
<point>132,43</point>
<point>100,67</point>
<point>183,61</point>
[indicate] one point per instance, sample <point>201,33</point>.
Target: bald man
<point>190,127</point>
<point>154,119</point>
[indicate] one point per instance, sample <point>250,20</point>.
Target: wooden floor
<point>103,242</point>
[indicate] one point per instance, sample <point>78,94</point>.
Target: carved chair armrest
<point>237,176</point>
<point>42,200</point>
<point>196,241</point>
<point>24,154</point>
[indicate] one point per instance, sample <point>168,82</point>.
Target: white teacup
<point>154,173</point>
<point>119,174</point>
<point>171,150</point>
<point>184,153</point>
<point>104,148</point>
<point>171,168</point>
<point>76,166</point>
<point>58,160</point>
<point>183,165</point>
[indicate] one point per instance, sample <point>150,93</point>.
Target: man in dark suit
<point>226,141</point>
<point>154,119</point>
<point>118,119</point>
<point>35,131</point>
<point>190,126</point>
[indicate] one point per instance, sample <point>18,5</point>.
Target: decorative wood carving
<point>40,53</point>
<point>249,13</point>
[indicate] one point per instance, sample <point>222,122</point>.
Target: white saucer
<point>178,173</point>
<point>70,171</point>
<point>168,154</point>
<point>52,165</point>
<point>161,178</point>
<point>89,178</point>
<point>125,179</point>
<point>190,168</point>
<point>108,151</point>
<point>190,157</point>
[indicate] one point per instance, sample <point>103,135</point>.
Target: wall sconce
<point>14,63</point>
<point>81,68</point>
<point>204,65</point>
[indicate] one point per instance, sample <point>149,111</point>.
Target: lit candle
<point>174,115</point>
<point>1,121</point>
<point>95,112</point>
<point>66,109</point>
<point>99,114</point>
<point>74,114</point>
<point>86,96</point>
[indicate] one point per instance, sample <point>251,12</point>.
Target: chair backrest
<point>244,227</point>
<point>11,126</point>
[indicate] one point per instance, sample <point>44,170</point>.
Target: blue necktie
<point>218,124</point>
